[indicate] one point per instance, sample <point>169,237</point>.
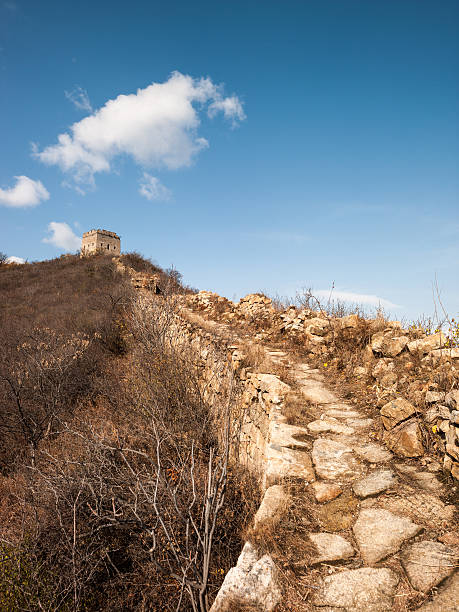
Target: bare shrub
<point>132,503</point>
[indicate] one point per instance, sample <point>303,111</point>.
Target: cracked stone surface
<point>435,513</point>
<point>331,547</point>
<point>428,563</point>
<point>374,483</point>
<point>333,459</point>
<point>366,589</point>
<point>316,393</point>
<point>282,462</point>
<point>343,414</point>
<point>380,533</point>
<point>330,424</point>
<point>373,453</point>
<point>446,599</point>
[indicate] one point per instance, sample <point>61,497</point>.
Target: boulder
<point>388,345</point>
<point>383,367</point>
<point>405,440</point>
<point>373,453</point>
<point>432,397</point>
<point>253,582</point>
<point>396,411</point>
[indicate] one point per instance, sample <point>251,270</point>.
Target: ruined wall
<point>396,366</point>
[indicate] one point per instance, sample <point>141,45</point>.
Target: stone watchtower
<point>100,241</point>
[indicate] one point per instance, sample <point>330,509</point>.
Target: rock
<point>325,491</point>
<point>443,355</point>
<point>315,392</point>
<point>343,414</point>
<point>388,380</point>
<point>428,563</point>
<point>253,582</point>
<point>380,533</point>
<point>271,385</point>
<point>426,508</point>
<point>436,412</point>
<point>330,547</point>
<point>330,424</point>
<point>275,502</point>
<point>333,459</point>
<point>374,483</point>
<point>395,411</point>
<point>374,453</point>
<point>405,440</point>
<point>428,482</point>
<point>432,397</point>
<point>387,345</point>
<point>282,462</point>
<point>317,327</point>
<point>425,345</point>
<point>383,367</point>
<point>366,589</point>
<point>452,399</point>
<point>446,599</point>
<point>450,538</point>
<point>351,321</point>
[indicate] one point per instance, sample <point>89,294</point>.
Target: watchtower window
<point>108,246</point>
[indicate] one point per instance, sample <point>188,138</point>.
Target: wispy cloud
<point>355,298</point>
<point>152,188</point>
<point>62,237</point>
<point>25,193</point>
<point>80,99</point>
<point>157,127</point>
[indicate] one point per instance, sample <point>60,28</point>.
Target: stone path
<point>398,539</point>
<point>397,520</point>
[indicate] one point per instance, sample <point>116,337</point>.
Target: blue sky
<point>254,145</point>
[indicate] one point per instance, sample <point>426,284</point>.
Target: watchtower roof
<point>102,232</point>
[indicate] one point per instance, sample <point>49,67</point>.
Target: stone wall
<point>418,367</point>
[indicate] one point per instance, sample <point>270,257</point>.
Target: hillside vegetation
<point>113,494</point>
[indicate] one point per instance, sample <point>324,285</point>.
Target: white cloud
<point>62,237</point>
<point>355,298</point>
<point>26,192</point>
<point>152,188</point>
<point>157,127</point>
<point>80,99</point>
<point>14,259</point>
<point>231,108</point>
